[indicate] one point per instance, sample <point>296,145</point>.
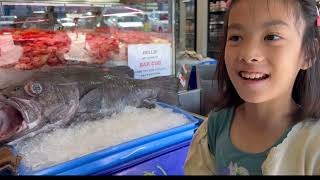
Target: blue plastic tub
<point>116,156</point>
<point>208,62</point>
<point>167,162</point>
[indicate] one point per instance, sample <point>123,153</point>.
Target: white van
<point>128,21</point>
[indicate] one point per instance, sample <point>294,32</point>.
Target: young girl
<point>266,122</point>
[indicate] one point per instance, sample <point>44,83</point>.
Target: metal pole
<point>173,35</point>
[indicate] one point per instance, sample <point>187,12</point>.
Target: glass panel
<point>43,33</point>
<point>190,25</point>
<point>185,25</point>
<point>216,13</point>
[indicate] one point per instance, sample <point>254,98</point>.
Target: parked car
<point>126,21</point>
<point>7,21</point>
<point>66,23</point>
<point>88,21</point>
<point>36,22</point>
<point>159,21</point>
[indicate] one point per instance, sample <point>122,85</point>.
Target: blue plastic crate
<point>195,75</point>
<point>166,162</point>
<point>116,156</point>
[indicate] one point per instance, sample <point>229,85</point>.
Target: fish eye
<point>33,88</point>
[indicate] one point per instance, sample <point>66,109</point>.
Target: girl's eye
<point>235,38</point>
<point>272,37</point>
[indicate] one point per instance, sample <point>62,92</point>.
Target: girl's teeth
<point>258,76</point>
<point>252,75</point>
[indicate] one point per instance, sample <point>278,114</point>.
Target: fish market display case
<point>37,35</point>
<point>141,34</point>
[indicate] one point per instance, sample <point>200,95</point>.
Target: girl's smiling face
<point>263,51</point>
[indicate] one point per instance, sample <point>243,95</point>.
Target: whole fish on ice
<point>61,97</point>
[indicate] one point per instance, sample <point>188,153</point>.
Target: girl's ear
<point>306,65</point>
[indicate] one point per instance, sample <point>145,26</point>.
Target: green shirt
<point>228,159</point>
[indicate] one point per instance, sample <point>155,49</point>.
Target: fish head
<point>32,103</point>
<point>11,121</point>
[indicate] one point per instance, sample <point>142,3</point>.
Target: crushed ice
<point>61,145</point>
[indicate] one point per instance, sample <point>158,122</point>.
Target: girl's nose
<point>251,53</point>
<point>251,59</point>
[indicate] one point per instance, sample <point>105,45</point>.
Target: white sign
<point>150,60</point>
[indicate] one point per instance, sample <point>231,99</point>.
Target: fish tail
<point>168,89</point>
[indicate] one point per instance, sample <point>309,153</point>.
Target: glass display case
<point>216,14</point>
<point>36,34</point>
<point>186,25</point>
<point>190,25</point>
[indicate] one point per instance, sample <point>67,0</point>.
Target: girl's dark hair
<point>306,90</point>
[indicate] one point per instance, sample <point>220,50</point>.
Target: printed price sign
<point>150,60</point>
